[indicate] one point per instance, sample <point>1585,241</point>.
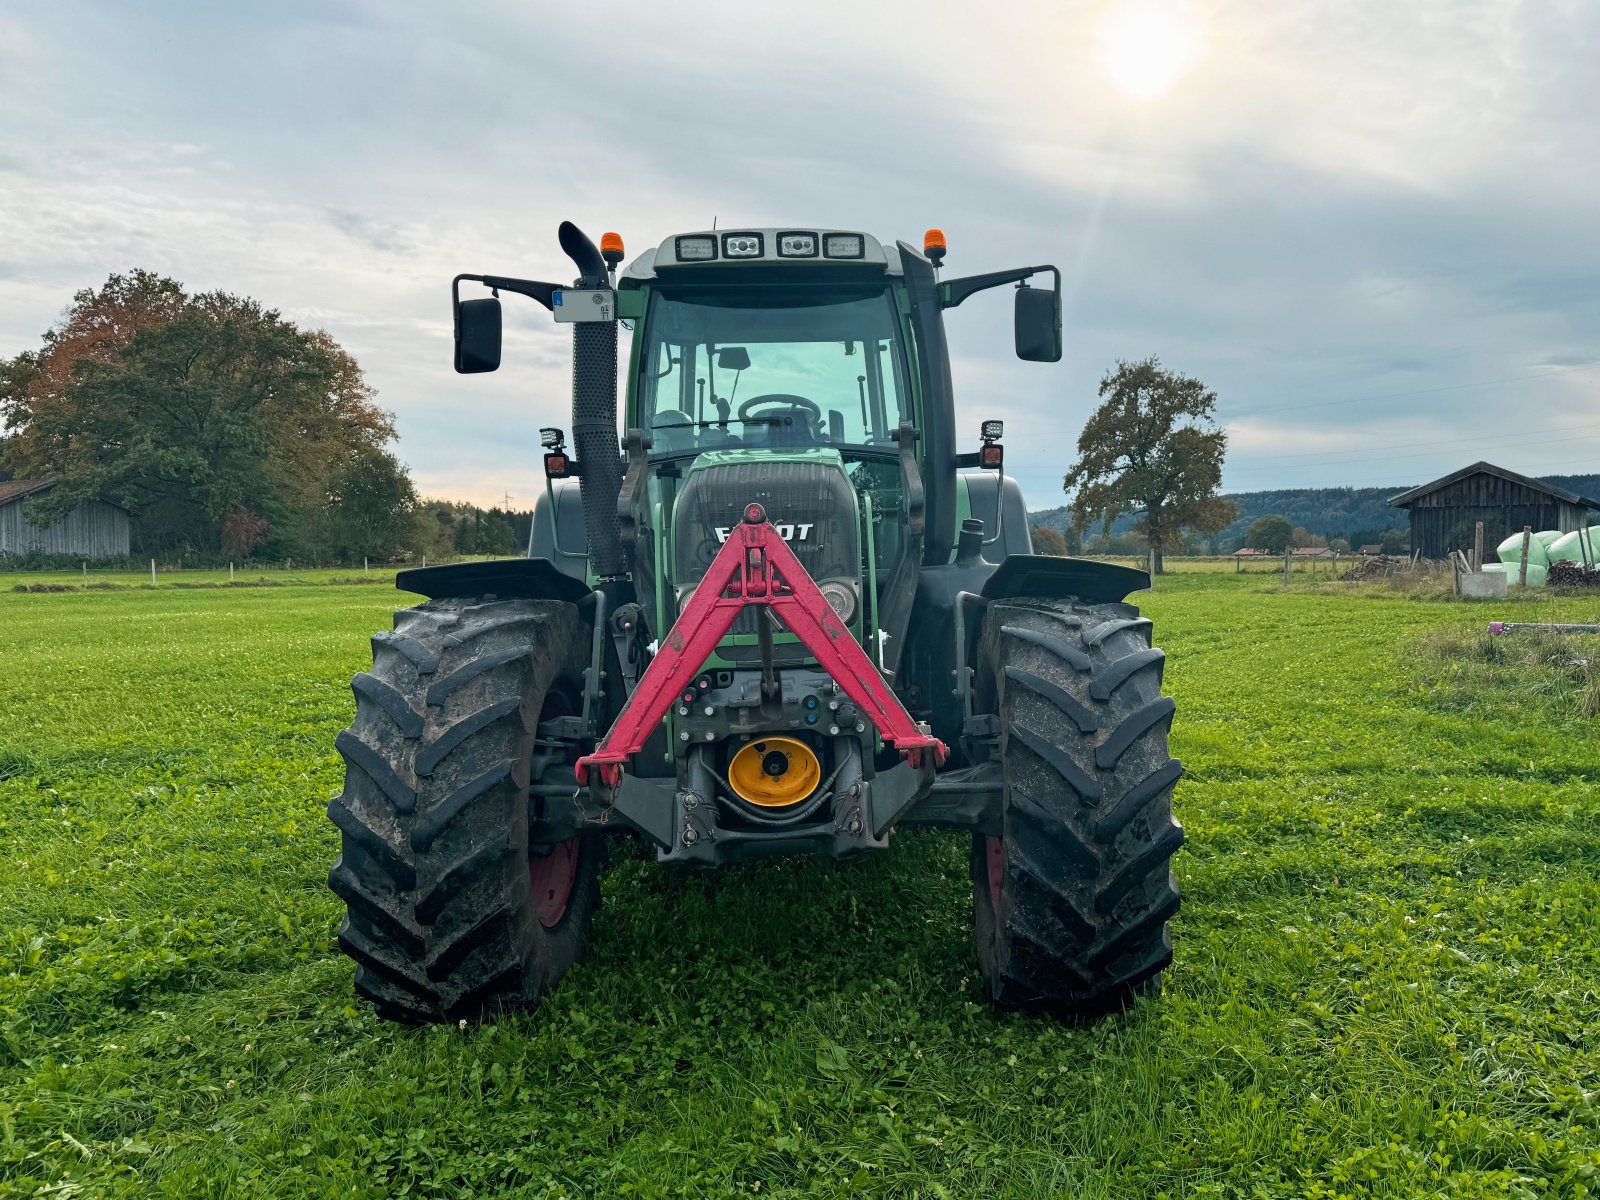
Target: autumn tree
<point>1152,448</point>
<point>1048,541</point>
<point>188,410</point>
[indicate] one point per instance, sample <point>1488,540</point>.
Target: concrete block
<point>1480,586</point>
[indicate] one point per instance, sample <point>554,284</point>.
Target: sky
<point>1373,229</point>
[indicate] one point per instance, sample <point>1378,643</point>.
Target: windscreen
<point>766,367</point>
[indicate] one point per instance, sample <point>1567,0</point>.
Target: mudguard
<point>507,578</point>
<point>1054,578</point>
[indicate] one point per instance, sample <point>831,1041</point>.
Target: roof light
<point>993,431</point>
<point>933,245</point>
<point>844,245</point>
<point>797,245</point>
<point>695,249</point>
<point>611,248</point>
<point>741,245</point>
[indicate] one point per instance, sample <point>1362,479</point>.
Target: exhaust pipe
<point>594,413</point>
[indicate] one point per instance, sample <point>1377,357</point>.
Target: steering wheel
<point>779,400</point>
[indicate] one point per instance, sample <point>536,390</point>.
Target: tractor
<point>778,610</point>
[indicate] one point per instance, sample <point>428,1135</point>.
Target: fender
<point>508,578</point>
<point>928,673</point>
<point>1053,578</point>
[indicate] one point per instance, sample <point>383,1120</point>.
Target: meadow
<point>1387,979</point>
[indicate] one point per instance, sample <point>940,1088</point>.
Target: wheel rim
<point>994,852</point>
<point>553,877</point>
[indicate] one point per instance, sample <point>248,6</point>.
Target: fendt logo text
<point>789,533</point>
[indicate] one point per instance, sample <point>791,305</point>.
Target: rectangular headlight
<point>797,245</point>
<point>695,249</point>
<point>844,245</point>
<point>993,431</point>
<point>741,245</point>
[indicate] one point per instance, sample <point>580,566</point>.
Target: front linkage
<point>755,567</point>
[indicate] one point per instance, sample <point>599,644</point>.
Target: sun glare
<point>1147,46</point>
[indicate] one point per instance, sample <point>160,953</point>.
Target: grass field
<point>1387,978</point>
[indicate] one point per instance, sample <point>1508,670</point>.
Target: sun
<point>1147,46</point>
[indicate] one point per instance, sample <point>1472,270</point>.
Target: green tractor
<point>785,614</point>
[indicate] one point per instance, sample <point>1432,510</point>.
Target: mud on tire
<point>1071,903</point>
<point>444,918</point>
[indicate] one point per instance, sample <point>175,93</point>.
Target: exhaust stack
<point>594,413</point>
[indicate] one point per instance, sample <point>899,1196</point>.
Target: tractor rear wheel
<point>451,914</point>
<point>1071,902</point>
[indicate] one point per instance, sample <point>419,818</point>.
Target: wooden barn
<point>95,529</point>
<point>1503,500</point>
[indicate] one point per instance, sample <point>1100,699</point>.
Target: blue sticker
<point>558,299</point>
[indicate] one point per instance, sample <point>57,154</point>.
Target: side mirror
<point>1038,324</point>
<point>477,336</point>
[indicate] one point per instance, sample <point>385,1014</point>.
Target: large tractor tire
<point>1071,902</point>
<point>451,914</point>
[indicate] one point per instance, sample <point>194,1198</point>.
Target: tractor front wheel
<point>1071,901</point>
<point>451,913</point>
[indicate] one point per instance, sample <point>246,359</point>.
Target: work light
<point>797,245</point>
<point>844,245</point>
<point>695,249</point>
<point>741,245</point>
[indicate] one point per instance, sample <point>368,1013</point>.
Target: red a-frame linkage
<point>754,566</point>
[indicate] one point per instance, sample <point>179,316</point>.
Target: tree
<point>1151,447</point>
<point>1339,545</point>
<point>1391,542</point>
<point>1048,541</point>
<point>187,409</point>
<point>1273,534</point>
<point>242,532</point>
<point>371,505</point>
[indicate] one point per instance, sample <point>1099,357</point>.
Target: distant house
<point>95,529</point>
<point>1247,552</point>
<point>1312,552</point>
<point>1501,499</point>
<point>1370,550</point>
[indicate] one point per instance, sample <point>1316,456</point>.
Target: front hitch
<point>755,567</point>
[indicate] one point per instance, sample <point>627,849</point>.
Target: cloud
<point>1337,204</point>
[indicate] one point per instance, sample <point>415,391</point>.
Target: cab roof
<point>702,254</point>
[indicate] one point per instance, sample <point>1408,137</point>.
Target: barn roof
<point>1558,493</point>
<point>21,489</point>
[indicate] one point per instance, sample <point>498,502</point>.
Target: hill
<point>1328,512</point>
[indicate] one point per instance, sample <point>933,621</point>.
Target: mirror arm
<point>544,293</point>
<point>953,291</point>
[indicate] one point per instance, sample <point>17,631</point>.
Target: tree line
<point>225,430</point>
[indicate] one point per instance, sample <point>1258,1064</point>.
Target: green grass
<point>1387,977</point>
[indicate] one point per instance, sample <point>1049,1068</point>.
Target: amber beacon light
<point>611,248</point>
<point>933,245</point>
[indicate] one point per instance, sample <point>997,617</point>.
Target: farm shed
<point>95,529</point>
<point>1503,500</point>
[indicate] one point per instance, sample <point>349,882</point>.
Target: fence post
<point>1522,573</point>
<point>1477,548</point>
<point>152,572</point>
<point>365,568</point>
<point>1288,563</point>
<point>230,572</point>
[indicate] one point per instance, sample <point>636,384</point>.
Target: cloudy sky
<point>1373,228</point>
